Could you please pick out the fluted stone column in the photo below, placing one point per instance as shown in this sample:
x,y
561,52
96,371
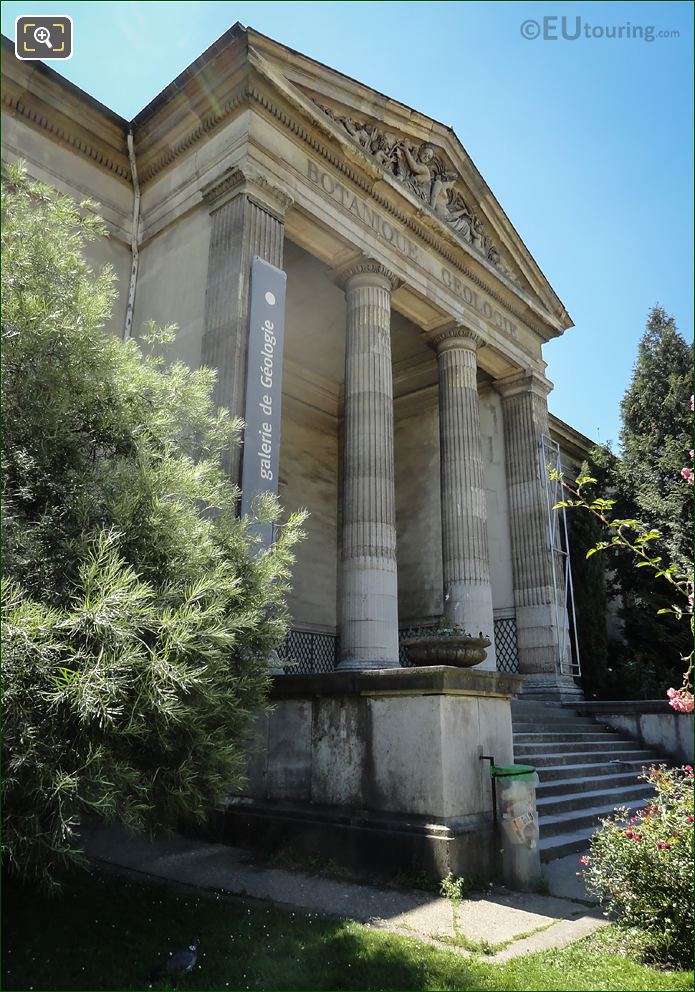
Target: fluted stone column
x,y
247,214
540,611
465,558
369,608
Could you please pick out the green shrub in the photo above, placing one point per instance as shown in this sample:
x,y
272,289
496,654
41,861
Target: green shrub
x,y
138,616
641,868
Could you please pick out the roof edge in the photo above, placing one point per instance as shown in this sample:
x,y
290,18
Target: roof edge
x,y
59,80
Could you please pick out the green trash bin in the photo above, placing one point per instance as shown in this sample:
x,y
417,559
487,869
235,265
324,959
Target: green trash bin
x,y
515,786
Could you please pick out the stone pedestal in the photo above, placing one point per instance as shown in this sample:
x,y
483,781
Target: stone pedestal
x,y
369,607
380,768
540,611
247,215
465,559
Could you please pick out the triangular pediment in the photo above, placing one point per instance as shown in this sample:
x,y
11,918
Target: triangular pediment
x,y
426,172
422,160
414,164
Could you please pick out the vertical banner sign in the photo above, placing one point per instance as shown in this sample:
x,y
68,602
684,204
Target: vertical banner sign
x,y
261,453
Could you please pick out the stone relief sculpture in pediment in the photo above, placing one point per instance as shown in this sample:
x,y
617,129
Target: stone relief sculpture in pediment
x,y
422,171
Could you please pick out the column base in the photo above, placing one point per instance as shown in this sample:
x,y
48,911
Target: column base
x,y
358,665
551,688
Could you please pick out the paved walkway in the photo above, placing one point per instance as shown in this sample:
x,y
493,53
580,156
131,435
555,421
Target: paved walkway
x,y
500,923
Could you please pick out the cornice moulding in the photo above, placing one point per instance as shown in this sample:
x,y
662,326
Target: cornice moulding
x,y
61,127
236,181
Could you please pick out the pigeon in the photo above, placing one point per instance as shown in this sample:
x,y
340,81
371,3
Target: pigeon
x,y
179,963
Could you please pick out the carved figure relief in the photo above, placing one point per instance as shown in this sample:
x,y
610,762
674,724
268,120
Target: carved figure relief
x,y
425,174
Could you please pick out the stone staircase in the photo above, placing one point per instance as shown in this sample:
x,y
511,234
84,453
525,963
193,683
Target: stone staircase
x,y
584,770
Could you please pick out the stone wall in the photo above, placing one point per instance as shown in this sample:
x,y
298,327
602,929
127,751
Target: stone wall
x,y
49,162
652,722
309,478
391,756
418,512
171,283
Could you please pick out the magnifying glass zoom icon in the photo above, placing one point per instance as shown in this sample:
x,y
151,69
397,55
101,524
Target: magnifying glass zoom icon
x,y
43,37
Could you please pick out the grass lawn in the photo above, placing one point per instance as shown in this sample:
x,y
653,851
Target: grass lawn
x,y
105,932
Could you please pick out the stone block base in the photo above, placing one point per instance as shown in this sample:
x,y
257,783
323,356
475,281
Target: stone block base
x,y
379,767
377,843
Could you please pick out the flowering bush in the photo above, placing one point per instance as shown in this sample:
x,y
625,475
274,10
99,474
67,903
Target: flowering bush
x,y
681,699
641,866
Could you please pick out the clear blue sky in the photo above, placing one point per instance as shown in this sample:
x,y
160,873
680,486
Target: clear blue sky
x,y
587,144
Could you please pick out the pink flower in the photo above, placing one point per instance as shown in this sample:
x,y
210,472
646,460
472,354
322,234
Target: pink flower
x,y
692,409
681,700
688,474
583,860
628,833
638,836
690,819
667,846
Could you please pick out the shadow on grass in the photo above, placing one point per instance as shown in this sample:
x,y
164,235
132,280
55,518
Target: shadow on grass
x,y
106,932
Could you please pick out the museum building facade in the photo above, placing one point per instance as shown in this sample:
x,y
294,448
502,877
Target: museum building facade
x,y
414,401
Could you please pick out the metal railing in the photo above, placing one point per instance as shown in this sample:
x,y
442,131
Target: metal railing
x,y
506,648
308,652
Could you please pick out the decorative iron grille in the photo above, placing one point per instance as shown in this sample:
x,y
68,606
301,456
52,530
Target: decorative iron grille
x,y
315,653
506,649
311,653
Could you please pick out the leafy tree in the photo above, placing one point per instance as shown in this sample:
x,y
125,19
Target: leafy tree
x,y
657,433
646,483
138,612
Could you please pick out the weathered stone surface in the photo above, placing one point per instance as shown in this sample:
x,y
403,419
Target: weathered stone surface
x,y
405,740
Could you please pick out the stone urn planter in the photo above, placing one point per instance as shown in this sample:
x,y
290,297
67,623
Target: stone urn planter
x,y
447,646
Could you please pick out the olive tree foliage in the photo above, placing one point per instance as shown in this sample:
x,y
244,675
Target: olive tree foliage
x,y
138,613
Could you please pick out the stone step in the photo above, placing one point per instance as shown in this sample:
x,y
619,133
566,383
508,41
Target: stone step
x,y
585,769
527,752
564,723
570,802
586,783
562,824
560,845
601,758
570,736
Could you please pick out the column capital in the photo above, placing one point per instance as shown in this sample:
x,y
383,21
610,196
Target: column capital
x,y
455,335
370,272
236,181
527,381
